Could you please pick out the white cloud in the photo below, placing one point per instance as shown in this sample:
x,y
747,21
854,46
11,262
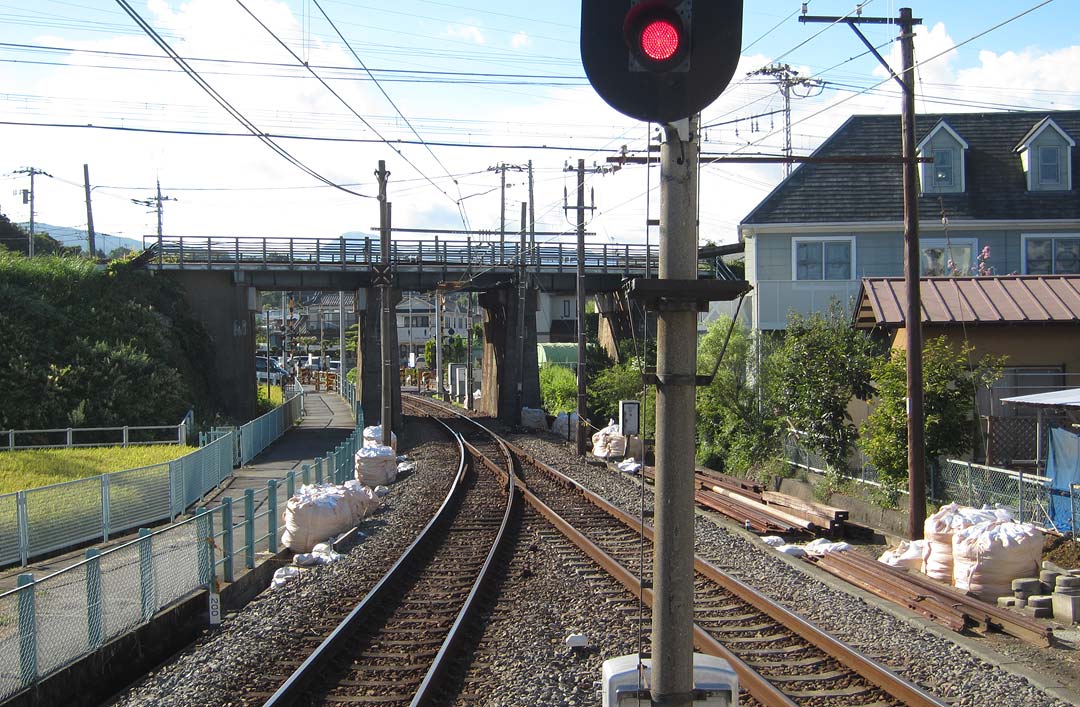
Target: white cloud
x,y
468,32
520,40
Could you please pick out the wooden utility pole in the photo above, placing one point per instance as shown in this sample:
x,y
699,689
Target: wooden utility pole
x,y
28,197
582,397
90,245
916,440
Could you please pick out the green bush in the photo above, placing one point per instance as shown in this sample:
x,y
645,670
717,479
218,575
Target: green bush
x,y
558,389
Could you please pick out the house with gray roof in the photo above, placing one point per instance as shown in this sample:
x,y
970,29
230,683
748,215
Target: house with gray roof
x,y
996,196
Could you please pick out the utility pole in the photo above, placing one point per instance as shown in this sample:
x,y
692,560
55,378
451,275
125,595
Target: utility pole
x,y
469,357
90,245
28,197
157,203
384,291
786,79
522,300
341,340
532,220
916,440
676,365
439,345
582,398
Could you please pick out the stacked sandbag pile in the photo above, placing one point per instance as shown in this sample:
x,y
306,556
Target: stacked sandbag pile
x,y
318,512
376,465
940,528
988,556
534,419
373,437
608,442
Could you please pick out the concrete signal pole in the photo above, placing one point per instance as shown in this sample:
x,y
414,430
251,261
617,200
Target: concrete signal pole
x,y
676,367
28,196
90,244
385,311
582,398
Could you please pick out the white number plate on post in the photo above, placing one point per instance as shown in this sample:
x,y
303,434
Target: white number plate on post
x,y
215,608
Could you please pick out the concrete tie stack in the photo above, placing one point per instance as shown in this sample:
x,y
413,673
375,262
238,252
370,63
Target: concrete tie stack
x,y
1066,599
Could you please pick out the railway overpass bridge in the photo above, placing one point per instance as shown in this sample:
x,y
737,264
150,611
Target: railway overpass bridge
x,y
221,276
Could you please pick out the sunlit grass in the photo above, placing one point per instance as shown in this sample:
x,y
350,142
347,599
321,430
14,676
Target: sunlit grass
x,y
268,403
31,468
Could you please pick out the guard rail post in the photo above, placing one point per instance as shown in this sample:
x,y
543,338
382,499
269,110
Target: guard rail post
x,y
28,668
227,538
318,470
272,518
967,471
290,484
105,520
147,600
95,617
305,472
1020,496
249,528
125,443
22,520
68,439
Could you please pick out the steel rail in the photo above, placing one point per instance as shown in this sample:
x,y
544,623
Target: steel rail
x,y
295,687
763,691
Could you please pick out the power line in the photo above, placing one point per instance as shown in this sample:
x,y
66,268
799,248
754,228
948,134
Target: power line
x,y
220,100
458,201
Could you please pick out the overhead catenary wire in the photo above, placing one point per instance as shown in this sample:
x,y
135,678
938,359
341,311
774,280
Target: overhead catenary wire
x,y
220,100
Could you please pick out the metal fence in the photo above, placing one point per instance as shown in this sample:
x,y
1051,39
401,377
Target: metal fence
x,y
1026,496
67,437
38,521
261,432
47,624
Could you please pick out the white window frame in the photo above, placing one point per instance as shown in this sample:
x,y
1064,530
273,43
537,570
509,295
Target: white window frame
x,y
944,243
822,239
567,309
1025,237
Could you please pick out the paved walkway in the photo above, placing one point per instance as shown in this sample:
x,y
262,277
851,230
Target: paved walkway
x,y
326,424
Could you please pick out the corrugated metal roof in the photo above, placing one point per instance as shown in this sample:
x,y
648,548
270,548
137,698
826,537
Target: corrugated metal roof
x,y
1058,398
999,299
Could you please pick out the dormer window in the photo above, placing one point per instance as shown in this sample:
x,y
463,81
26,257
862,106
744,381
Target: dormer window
x,y
1046,156
945,174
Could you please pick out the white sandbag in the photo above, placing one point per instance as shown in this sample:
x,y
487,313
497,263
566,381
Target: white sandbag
x,y
940,528
314,514
821,546
361,499
323,548
375,465
608,442
307,559
988,556
373,437
907,555
629,466
284,575
773,540
534,419
565,425
793,550
381,491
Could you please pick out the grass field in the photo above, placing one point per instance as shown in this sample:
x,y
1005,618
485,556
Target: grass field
x,y
30,468
266,404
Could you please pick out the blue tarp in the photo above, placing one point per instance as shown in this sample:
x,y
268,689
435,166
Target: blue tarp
x,y
1063,467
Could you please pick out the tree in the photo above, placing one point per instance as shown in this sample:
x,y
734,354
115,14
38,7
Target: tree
x,y
12,236
821,365
949,385
558,388
736,414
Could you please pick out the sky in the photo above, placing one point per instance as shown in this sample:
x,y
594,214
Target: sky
x,y
444,92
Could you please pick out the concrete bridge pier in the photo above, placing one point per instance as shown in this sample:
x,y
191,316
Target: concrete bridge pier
x,y
507,363
615,322
369,358
226,307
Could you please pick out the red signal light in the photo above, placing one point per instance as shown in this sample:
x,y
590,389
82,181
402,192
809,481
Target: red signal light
x,y
656,35
660,40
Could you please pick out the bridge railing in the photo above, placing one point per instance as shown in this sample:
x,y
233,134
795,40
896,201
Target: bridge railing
x,y
342,253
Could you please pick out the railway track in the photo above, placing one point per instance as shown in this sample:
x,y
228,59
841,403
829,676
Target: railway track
x,y
781,659
396,645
